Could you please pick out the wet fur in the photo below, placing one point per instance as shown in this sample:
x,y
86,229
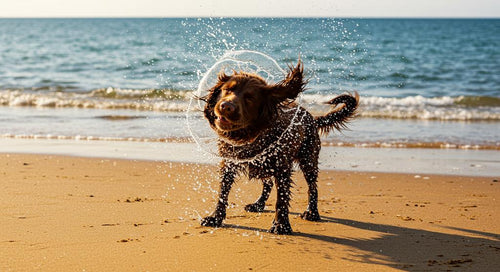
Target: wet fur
x,y
256,139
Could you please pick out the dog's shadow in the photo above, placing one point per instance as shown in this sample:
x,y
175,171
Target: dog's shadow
x,y
411,249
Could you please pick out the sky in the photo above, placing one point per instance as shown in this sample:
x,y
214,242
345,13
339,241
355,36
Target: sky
x,y
250,8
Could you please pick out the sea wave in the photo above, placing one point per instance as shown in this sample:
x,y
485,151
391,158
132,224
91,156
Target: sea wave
x,y
478,108
445,108
325,142
461,108
106,98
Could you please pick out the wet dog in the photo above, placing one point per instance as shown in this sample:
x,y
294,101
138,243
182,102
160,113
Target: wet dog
x,y
262,133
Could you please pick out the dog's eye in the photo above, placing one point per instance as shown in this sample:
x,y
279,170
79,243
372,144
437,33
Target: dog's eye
x,y
248,98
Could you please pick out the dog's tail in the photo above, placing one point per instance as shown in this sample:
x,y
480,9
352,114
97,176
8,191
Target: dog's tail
x,y
340,115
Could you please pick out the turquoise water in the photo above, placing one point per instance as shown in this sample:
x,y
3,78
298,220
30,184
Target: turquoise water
x,y
420,80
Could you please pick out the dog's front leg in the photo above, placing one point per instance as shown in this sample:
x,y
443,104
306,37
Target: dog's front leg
x,y
228,174
281,223
260,204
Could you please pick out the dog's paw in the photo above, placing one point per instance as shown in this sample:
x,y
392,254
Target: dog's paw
x,y
281,228
311,216
255,207
211,221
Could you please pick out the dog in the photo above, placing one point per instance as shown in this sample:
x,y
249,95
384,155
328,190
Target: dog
x,y
262,133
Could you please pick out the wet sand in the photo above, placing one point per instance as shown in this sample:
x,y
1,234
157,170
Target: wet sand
x,y
394,160
89,214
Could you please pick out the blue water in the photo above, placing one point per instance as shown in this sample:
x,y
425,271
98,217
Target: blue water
x,y
383,57
442,70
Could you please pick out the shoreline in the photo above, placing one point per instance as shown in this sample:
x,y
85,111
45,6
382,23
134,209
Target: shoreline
x,y
324,142
418,161
94,214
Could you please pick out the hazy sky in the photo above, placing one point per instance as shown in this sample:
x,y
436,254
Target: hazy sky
x,y
237,8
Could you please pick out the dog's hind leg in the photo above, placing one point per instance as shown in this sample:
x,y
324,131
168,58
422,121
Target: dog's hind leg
x,y
309,167
260,204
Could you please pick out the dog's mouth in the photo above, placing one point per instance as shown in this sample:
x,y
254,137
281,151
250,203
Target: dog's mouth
x,y
223,121
225,124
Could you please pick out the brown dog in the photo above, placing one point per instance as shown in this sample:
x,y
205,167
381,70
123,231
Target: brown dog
x,y
262,133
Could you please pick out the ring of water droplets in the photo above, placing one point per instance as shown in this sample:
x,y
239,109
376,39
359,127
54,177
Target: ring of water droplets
x,y
242,60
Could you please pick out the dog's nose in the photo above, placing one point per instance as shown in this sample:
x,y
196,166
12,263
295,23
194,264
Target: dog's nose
x,y
227,107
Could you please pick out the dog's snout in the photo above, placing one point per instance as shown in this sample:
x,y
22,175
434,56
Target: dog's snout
x,y
227,107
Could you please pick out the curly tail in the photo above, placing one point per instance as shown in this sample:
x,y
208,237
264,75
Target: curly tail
x,y
340,115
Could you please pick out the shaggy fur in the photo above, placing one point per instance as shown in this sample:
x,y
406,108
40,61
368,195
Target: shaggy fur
x,y
262,133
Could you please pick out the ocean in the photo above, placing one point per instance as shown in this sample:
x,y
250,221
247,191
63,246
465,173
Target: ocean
x,y
429,83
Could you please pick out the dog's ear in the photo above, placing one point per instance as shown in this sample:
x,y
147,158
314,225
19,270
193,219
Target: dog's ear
x,y
221,79
213,95
214,92
289,88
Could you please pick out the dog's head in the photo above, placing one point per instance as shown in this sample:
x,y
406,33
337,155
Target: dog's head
x,y
241,105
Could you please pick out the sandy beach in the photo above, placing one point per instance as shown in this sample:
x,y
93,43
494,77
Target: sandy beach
x,y
61,213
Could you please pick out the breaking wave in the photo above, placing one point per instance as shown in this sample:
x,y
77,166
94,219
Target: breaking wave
x,y
462,108
444,108
106,98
